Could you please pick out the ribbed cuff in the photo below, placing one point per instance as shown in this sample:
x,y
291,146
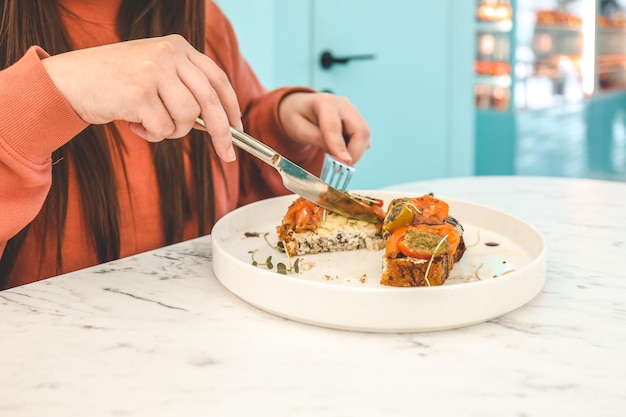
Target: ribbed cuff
x,y
35,118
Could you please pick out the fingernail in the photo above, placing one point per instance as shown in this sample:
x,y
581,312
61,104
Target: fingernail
x,y
346,156
231,154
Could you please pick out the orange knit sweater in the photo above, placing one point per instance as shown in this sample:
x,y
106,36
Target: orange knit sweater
x,y
36,119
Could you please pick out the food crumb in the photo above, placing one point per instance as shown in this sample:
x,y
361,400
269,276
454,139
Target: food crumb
x,y
305,266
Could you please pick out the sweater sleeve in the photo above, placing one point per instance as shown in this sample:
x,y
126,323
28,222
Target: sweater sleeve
x,y
34,121
260,114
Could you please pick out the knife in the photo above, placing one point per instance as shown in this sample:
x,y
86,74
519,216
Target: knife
x,y
299,181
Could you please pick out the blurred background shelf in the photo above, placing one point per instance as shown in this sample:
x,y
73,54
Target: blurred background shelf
x,y
494,80
497,90
566,115
501,26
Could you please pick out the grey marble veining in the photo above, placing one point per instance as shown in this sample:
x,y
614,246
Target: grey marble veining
x,y
157,334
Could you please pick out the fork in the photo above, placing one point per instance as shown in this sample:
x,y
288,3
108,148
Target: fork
x,y
336,173
302,182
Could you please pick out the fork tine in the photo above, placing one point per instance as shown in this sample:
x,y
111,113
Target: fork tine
x,y
336,174
346,179
326,168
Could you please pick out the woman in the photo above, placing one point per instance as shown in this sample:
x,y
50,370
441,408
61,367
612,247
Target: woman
x,y
85,175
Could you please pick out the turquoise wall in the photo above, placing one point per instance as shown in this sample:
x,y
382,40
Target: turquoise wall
x,y
433,105
254,22
584,140
274,36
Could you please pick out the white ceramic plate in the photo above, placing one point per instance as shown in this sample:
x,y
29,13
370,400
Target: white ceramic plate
x,y
342,290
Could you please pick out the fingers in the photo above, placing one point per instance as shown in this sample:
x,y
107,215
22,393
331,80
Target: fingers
x,y
194,86
330,123
356,131
221,86
215,100
180,106
344,131
327,121
193,95
219,105
163,85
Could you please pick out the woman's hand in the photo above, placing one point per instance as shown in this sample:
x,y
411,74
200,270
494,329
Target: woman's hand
x,y
328,121
159,85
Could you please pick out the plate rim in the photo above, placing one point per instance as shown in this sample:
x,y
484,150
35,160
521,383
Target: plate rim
x,y
509,276
536,265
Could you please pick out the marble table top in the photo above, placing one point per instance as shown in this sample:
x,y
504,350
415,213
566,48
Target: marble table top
x,y
157,335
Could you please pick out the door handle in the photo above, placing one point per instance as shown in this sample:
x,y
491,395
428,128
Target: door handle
x,y
327,59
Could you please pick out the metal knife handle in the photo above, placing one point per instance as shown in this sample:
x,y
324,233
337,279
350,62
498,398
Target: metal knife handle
x,y
253,146
249,144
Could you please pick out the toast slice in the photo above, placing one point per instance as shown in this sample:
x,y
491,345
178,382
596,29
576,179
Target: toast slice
x,y
422,242
412,272
308,228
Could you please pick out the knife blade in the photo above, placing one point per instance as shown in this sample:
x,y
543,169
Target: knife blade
x,y
299,181
312,188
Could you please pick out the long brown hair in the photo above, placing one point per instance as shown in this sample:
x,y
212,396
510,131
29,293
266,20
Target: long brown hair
x,y
24,23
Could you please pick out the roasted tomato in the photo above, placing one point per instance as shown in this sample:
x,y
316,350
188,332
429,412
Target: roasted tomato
x,y
421,241
430,210
304,215
379,211
412,211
